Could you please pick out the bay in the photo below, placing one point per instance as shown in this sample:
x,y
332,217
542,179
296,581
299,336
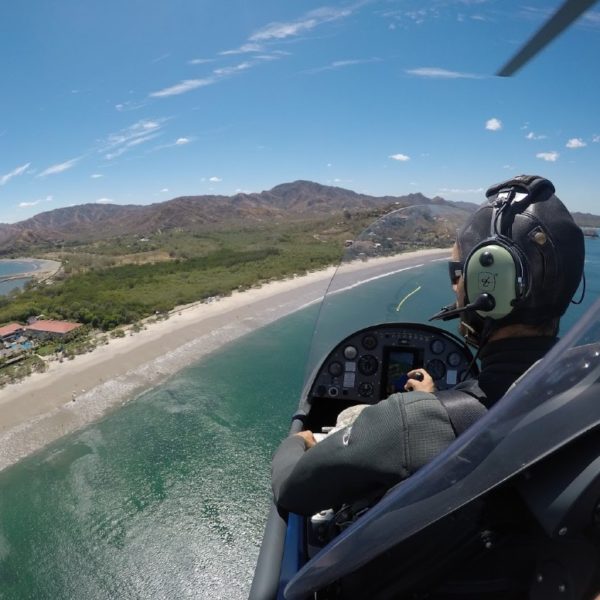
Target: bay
x,y
14,267
167,497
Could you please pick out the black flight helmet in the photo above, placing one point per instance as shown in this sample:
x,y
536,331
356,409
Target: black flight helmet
x,y
522,259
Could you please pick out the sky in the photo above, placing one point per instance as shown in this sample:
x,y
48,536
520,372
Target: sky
x,y
142,101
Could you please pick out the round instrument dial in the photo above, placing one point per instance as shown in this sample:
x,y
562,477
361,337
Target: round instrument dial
x,y
369,342
368,364
436,368
454,359
437,346
336,369
350,352
365,389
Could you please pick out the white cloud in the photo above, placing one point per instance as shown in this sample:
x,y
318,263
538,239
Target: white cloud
x,y
165,190
437,73
35,202
596,139
129,105
215,179
493,124
200,61
182,141
96,175
576,143
187,85
399,157
131,144
60,168
533,136
548,156
104,201
244,49
226,71
141,140
139,133
312,19
591,18
340,64
4,179
192,84
160,58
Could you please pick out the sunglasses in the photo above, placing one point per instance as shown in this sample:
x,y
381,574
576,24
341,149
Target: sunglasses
x,y
455,270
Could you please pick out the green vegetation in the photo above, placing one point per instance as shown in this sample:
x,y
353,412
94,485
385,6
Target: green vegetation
x,y
123,280
103,290
17,371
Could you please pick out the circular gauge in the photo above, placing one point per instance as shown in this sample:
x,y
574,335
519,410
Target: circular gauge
x,y
437,346
336,369
369,342
365,389
454,359
350,352
368,364
333,391
436,368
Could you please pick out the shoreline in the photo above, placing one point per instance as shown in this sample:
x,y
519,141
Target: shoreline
x,y
74,393
42,268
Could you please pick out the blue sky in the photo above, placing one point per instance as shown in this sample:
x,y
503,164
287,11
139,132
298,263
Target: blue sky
x,y
141,101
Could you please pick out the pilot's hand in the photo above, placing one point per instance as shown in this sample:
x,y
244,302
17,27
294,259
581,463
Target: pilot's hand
x,y
308,437
419,380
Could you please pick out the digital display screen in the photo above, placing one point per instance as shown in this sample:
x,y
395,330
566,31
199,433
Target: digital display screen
x,y
398,362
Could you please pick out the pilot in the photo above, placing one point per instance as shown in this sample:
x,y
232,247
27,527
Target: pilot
x,y
516,266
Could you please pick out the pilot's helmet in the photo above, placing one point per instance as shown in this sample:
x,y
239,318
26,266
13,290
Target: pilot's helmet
x,y
524,242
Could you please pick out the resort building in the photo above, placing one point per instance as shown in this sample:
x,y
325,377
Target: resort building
x,y
45,329
11,332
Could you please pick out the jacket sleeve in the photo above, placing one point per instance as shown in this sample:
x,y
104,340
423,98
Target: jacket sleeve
x,y
386,443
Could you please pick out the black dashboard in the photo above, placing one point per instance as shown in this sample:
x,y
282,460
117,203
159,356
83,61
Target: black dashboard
x,y
372,363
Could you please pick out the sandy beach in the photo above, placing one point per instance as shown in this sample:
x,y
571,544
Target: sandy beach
x,y
73,393
39,268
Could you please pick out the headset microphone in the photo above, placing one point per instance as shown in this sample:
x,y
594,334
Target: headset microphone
x,y
484,302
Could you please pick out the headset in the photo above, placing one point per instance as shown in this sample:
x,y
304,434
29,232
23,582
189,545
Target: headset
x,y
498,273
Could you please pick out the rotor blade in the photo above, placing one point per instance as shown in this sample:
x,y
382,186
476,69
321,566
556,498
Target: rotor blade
x,y
562,18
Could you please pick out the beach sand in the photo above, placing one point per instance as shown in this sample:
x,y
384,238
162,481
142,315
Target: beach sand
x,y
40,268
71,394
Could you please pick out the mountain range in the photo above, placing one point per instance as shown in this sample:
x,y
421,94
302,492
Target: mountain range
x,y
299,200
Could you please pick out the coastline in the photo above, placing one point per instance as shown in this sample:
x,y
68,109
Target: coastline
x,y
74,393
42,268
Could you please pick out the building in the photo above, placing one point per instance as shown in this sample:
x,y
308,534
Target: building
x,y
11,332
49,329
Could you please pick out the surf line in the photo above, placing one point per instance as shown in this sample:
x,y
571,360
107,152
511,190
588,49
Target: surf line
x,y
407,297
359,283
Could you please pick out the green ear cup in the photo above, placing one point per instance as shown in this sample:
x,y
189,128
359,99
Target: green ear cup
x,y
491,270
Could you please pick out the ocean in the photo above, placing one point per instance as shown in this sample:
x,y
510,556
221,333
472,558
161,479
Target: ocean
x,y
13,267
166,497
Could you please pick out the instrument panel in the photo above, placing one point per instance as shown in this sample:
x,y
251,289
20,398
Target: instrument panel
x,y
372,363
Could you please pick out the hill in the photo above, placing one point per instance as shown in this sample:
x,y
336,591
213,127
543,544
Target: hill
x,y
288,202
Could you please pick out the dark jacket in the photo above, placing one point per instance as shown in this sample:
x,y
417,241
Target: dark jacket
x,y
390,440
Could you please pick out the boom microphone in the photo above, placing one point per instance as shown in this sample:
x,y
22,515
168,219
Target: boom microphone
x,y
483,302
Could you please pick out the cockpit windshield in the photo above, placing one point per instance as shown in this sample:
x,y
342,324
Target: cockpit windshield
x,y
554,402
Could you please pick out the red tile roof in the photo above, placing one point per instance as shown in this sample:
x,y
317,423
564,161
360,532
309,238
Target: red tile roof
x,y
10,329
53,326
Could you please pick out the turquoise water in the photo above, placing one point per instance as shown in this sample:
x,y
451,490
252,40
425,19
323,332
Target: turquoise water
x,y
11,268
166,497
